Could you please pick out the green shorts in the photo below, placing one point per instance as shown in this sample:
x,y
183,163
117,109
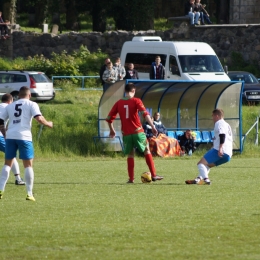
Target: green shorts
x,y
132,141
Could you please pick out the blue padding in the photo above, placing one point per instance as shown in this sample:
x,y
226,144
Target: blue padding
x,y
171,134
198,136
206,137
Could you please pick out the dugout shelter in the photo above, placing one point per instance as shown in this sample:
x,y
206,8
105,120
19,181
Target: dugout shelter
x,y
182,105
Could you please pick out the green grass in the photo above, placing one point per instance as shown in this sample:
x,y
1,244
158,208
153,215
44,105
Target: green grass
x,y
84,210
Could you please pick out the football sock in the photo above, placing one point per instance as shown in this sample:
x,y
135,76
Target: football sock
x,y
29,177
208,169
203,171
130,168
150,163
15,169
4,176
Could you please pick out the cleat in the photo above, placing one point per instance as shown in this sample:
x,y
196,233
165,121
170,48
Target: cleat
x,y
31,198
1,194
129,181
206,181
191,181
157,178
21,182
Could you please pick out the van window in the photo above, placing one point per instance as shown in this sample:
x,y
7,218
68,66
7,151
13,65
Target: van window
x,y
200,63
143,61
173,66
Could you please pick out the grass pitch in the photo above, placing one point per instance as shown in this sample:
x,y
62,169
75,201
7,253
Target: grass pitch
x,y
85,210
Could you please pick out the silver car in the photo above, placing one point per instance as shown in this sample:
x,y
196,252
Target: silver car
x,y
40,85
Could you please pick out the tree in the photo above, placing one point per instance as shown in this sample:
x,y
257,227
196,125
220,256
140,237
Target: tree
x,y
133,14
9,10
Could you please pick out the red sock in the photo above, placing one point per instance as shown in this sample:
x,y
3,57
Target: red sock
x,y
130,168
150,163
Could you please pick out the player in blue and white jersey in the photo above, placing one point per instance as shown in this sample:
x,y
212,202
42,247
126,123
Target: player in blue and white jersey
x,y
19,137
222,148
6,100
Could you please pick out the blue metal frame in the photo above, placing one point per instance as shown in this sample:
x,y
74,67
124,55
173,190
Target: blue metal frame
x,y
72,77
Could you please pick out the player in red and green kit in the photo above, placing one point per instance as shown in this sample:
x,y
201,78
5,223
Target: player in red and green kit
x,y
132,130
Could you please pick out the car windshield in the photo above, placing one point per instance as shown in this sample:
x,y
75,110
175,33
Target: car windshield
x,y
200,63
40,78
247,78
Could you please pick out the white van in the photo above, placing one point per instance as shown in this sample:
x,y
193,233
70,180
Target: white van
x,y
191,61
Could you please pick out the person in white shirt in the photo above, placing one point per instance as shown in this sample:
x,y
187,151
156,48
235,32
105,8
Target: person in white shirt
x,y
121,72
6,100
19,137
222,148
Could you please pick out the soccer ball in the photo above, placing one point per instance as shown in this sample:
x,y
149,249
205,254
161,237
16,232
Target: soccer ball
x,y
146,177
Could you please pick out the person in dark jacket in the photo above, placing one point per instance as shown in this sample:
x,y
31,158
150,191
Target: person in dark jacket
x,y
148,129
102,69
131,73
157,70
191,12
158,124
187,143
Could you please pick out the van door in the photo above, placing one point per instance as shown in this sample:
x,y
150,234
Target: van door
x,y
173,69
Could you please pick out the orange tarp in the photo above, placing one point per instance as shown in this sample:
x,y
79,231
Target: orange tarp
x,y
164,146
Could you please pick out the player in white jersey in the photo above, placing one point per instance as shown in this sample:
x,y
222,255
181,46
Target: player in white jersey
x,y
8,99
221,151
19,137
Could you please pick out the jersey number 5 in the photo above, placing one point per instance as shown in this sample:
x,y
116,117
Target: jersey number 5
x,y
18,109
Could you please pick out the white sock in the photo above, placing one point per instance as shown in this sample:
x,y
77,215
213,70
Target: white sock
x,y
16,170
4,176
208,169
203,171
29,177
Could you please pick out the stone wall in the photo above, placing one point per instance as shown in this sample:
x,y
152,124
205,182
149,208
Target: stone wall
x,y
224,39
244,12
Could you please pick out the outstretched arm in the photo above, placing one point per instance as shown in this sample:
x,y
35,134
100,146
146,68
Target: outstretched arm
x,y
43,121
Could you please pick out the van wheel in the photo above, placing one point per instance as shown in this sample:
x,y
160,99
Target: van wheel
x,y
15,95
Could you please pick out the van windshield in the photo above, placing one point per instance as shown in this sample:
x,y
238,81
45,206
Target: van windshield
x,y
200,63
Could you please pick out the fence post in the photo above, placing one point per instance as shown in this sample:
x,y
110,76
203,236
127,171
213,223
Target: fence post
x,y
257,123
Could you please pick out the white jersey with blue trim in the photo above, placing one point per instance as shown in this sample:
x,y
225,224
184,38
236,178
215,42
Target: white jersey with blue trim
x,y
20,114
222,127
2,109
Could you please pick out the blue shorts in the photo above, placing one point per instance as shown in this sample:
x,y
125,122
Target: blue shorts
x,y
212,157
2,144
26,151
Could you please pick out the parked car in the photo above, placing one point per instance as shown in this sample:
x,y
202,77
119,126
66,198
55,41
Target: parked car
x,y
251,91
40,85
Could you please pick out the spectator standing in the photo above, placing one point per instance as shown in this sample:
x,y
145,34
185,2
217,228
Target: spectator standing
x,y
6,100
187,142
157,70
19,137
222,148
131,73
158,124
121,73
190,11
133,133
102,69
109,76
3,27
